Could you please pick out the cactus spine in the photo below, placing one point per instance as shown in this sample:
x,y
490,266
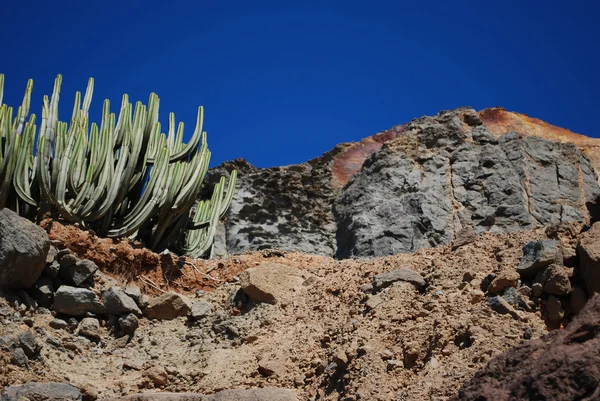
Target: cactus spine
x,y
122,178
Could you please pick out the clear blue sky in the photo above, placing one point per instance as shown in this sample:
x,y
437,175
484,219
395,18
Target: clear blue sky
x,y
284,81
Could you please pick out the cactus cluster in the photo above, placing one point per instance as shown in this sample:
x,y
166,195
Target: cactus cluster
x,y
122,178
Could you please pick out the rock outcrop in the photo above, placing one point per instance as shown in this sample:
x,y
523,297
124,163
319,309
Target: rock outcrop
x,y
563,365
416,185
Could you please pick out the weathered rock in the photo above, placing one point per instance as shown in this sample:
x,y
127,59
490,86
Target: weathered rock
x,y
118,303
129,324
135,293
66,259
563,365
90,327
271,283
255,394
555,279
512,296
504,279
588,252
74,301
23,250
201,309
448,172
499,304
58,324
41,391
539,254
43,291
157,375
79,272
168,306
19,358
383,280
29,344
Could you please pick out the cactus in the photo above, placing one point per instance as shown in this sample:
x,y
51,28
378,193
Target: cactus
x,y
122,178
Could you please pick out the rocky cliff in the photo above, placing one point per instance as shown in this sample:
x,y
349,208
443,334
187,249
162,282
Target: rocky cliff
x,y
416,185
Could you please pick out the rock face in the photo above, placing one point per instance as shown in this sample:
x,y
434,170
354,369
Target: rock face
x,y
563,365
450,172
23,250
416,185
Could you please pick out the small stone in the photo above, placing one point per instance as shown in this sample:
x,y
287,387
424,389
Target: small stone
x,y
51,269
525,290
366,288
476,296
43,291
504,279
537,289
29,344
168,306
539,254
129,324
200,309
485,283
468,276
28,321
578,299
90,327
340,358
51,254
527,333
79,272
19,358
555,279
512,296
134,292
393,364
66,259
373,302
157,375
118,303
499,304
50,339
384,280
58,324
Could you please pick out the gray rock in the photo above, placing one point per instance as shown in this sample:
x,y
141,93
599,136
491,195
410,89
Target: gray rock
x,y
512,296
41,391
43,291
254,394
135,293
200,309
77,273
52,269
499,304
66,259
29,344
23,250
129,324
383,280
19,358
539,254
9,342
74,301
537,289
58,324
118,303
90,327
555,279
168,306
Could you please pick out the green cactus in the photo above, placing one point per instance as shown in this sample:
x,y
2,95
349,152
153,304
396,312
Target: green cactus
x,y
122,178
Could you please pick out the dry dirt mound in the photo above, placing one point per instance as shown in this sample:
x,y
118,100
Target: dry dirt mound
x,y
324,328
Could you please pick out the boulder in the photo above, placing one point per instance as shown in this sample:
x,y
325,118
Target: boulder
x,y
588,263
539,254
563,365
168,306
271,283
118,303
75,301
383,280
23,250
41,391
